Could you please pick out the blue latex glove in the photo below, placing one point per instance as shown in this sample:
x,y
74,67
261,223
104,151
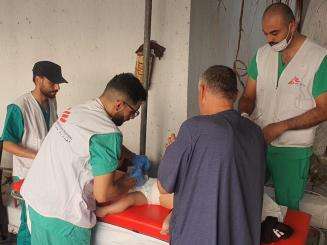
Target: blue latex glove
x,y
137,173
142,162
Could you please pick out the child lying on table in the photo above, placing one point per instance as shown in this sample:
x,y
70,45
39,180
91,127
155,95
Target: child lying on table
x,y
145,192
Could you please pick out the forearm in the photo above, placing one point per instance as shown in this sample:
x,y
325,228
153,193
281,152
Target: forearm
x,y
246,105
126,153
18,150
306,120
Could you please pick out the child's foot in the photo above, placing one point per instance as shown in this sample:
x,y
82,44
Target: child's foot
x,y
101,212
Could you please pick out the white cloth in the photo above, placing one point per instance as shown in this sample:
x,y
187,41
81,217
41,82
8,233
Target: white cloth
x,y
271,208
60,182
293,94
150,191
35,130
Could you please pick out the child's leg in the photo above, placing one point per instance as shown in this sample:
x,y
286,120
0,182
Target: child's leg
x,y
131,199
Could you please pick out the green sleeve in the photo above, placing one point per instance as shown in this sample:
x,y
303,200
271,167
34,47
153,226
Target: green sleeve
x,y
13,129
252,68
320,81
105,151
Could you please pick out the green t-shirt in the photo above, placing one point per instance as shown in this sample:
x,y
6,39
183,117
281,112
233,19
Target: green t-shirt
x,y
13,129
319,87
46,115
105,151
319,83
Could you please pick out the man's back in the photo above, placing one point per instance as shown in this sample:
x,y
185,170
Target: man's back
x,y
219,180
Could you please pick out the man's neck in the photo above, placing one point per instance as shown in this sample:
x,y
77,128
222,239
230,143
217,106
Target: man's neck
x,y
293,48
106,105
215,107
40,98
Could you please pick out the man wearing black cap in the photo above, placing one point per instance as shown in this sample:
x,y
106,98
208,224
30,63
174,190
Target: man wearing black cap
x,y
27,122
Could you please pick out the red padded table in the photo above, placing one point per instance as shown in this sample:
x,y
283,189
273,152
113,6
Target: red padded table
x,y
145,219
300,222
17,185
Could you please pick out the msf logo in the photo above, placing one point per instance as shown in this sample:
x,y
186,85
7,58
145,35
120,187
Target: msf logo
x,y
64,116
295,81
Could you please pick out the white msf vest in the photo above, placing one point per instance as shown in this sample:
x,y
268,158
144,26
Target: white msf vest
x,y
60,182
291,95
35,130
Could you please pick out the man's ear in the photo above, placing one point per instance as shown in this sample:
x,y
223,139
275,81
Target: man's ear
x,y
119,104
38,80
294,26
202,91
236,96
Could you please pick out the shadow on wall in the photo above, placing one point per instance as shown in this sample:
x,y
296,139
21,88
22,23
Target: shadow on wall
x,y
314,27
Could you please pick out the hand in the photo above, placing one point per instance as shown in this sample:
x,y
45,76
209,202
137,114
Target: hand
x,y
165,225
137,174
273,131
244,114
124,184
171,139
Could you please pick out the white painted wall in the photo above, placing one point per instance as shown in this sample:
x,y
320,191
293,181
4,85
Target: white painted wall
x,y
93,40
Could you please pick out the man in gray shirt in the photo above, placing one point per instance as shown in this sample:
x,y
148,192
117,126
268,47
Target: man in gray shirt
x,y
216,168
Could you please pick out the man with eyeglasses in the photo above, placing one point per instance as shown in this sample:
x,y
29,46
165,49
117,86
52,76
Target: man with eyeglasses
x,y
75,168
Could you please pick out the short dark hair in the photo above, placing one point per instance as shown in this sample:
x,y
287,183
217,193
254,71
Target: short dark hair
x,y
221,79
283,9
128,85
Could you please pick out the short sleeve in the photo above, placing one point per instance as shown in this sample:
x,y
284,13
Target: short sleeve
x,y
13,129
105,151
320,80
252,68
175,156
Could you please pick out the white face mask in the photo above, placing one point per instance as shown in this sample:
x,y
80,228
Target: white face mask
x,y
278,47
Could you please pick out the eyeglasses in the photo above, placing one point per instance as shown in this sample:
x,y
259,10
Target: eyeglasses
x,y
135,112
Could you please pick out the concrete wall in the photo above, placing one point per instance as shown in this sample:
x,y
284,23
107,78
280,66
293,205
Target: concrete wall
x,y
93,40
314,26
214,36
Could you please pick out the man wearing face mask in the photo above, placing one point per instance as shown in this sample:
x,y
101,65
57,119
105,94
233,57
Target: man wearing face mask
x,y
27,122
286,94
75,168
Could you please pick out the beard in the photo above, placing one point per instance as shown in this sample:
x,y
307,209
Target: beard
x,y
118,120
49,93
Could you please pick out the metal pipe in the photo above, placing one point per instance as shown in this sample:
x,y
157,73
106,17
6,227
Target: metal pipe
x,y
146,73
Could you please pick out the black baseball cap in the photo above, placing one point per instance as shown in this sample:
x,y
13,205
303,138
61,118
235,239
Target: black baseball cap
x,y
49,70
